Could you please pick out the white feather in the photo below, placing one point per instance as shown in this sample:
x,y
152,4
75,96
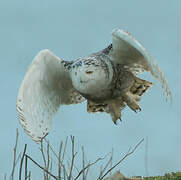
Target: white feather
x,y
131,54
45,87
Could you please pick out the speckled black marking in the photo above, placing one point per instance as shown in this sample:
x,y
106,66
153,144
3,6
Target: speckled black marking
x,y
97,107
79,63
104,65
101,110
67,64
107,50
90,62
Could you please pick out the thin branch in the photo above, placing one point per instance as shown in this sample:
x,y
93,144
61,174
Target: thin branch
x,y
65,146
108,163
111,161
51,167
73,157
29,175
64,173
83,163
59,160
87,170
69,159
43,156
127,154
88,166
5,175
21,163
103,169
68,165
48,158
52,150
41,167
14,159
26,169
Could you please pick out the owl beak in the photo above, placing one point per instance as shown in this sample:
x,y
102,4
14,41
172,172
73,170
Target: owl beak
x,y
89,72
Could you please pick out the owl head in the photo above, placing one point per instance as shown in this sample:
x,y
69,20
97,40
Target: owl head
x,y
90,77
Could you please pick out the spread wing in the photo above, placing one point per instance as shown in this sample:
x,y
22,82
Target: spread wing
x,y
133,56
45,87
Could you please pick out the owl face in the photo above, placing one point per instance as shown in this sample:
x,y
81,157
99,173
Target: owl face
x,y
89,77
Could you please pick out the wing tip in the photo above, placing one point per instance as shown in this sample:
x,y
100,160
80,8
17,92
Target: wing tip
x,y
118,32
154,68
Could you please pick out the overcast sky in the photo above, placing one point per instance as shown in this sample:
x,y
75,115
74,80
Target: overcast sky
x,y
72,29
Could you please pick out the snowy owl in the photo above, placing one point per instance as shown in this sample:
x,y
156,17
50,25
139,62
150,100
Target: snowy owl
x,y
107,80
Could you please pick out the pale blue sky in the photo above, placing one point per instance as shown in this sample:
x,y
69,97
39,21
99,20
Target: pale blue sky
x,y
72,29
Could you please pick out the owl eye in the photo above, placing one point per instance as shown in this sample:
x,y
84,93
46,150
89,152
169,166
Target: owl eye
x,y
89,72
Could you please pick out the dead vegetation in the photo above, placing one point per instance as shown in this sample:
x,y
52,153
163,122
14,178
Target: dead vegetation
x,y
65,169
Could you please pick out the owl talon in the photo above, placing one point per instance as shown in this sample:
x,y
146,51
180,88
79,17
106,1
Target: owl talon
x,y
115,122
131,102
120,119
137,110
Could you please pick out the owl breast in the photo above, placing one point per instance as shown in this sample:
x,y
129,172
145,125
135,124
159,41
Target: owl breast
x,y
92,77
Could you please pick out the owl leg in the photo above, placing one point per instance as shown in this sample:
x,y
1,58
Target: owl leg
x,y
115,111
130,100
114,115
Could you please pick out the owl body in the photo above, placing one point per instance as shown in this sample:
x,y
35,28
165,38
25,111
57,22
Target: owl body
x,y
98,78
93,78
106,79
107,86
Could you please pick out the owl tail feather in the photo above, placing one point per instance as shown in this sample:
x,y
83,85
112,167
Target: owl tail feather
x,y
139,87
